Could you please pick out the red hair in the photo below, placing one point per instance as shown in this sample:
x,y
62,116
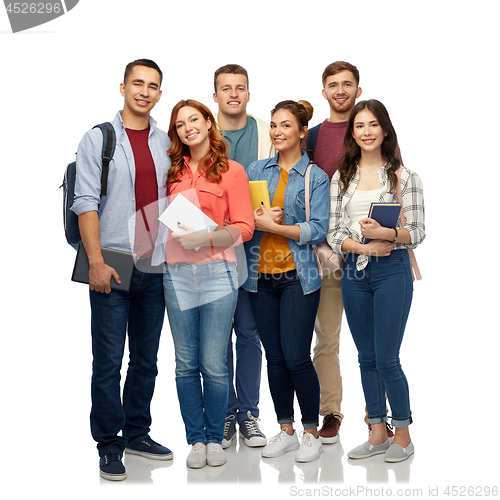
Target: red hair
x,y
215,160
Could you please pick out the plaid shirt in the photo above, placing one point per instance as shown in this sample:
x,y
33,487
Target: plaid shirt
x,y
341,227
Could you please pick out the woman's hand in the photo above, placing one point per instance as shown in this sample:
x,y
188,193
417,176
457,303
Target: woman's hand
x,y
378,248
190,238
276,213
371,229
264,221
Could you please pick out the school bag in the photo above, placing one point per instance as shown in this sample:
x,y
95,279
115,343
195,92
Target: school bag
x,y
71,229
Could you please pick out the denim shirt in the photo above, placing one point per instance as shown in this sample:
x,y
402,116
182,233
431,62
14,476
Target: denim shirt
x,y
294,213
117,210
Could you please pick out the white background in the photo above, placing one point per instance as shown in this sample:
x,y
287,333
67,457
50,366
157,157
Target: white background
x,y
434,64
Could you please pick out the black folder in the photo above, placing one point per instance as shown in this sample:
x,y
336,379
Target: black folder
x,y
122,262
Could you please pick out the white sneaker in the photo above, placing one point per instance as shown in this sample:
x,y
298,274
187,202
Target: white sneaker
x,y
197,457
215,455
280,444
310,448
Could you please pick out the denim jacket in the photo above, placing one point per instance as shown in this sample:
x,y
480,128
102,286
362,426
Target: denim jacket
x,y
294,213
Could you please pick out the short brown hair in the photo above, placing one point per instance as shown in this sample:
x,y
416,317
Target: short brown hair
x,y
337,67
142,62
232,69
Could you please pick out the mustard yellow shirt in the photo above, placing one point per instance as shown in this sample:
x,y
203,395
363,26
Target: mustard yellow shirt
x,y
275,256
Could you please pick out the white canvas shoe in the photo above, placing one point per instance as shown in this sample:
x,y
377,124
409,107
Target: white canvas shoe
x,y
310,448
197,457
215,455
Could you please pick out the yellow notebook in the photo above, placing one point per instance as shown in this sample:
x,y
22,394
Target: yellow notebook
x,y
259,192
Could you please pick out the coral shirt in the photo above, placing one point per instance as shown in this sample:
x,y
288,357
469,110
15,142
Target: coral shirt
x,y
228,199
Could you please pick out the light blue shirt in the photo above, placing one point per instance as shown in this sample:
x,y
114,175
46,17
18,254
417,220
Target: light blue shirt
x,y
294,213
117,210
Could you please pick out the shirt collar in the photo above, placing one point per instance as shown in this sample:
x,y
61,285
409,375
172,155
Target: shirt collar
x,y
118,122
300,166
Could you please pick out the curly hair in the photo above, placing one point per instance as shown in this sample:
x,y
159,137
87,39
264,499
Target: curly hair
x,y
349,162
215,161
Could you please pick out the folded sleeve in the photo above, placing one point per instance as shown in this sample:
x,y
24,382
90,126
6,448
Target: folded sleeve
x,y
240,204
338,232
314,231
412,194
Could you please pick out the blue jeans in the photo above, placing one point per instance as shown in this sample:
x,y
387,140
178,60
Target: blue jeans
x,y
377,302
248,362
285,321
141,312
200,333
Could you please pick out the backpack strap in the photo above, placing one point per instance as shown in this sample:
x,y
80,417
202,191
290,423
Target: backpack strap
x,y
108,149
307,181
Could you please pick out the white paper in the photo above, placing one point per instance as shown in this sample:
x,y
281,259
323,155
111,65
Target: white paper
x,y
183,211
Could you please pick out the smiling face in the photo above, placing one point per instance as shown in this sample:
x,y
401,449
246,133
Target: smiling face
x,y
232,94
341,91
192,128
367,132
141,91
285,132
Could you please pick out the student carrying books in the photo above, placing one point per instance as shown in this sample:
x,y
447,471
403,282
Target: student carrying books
x,y
284,282
377,284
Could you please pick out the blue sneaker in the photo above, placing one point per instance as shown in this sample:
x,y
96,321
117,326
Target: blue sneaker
x,y
112,468
148,448
250,432
229,431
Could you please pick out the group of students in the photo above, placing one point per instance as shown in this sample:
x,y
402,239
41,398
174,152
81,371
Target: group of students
x,y
352,159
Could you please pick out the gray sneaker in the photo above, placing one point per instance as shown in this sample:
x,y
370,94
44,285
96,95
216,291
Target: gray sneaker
x,y
229,431
397,453
250,432
367,450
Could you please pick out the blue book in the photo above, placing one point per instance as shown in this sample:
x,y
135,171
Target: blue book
x,y
386,214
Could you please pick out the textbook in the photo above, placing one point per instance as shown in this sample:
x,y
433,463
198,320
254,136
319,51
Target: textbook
x,y
386,214
183,211
259,191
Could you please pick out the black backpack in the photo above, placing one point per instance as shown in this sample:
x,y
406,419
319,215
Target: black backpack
x,y
71,229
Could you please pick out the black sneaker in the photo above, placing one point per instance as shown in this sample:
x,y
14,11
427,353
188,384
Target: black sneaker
x,y
250,432
112,468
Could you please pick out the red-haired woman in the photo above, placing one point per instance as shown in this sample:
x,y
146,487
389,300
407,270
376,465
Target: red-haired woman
x,y
201,278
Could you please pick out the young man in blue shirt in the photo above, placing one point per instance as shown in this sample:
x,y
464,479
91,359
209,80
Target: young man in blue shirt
x,y
125,219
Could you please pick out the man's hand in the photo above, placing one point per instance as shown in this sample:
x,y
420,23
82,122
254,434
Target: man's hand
x,y
100,277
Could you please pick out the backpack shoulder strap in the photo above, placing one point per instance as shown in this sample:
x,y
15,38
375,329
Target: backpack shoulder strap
x,y
307,181
108,149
